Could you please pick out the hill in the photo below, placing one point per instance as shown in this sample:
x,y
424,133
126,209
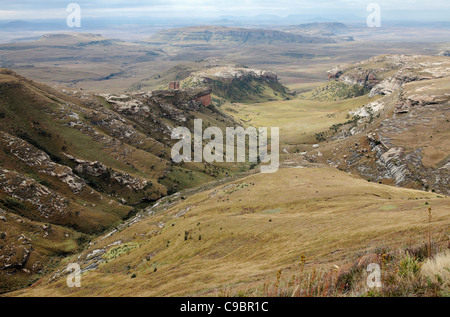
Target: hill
x,y
324,28
230,81
400,136
232,239
73,164
228,35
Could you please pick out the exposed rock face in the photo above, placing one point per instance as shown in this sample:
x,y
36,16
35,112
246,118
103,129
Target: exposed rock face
x,y
127,104
372,72
181,99
335,73
97,169
205,100
237,83
40,160
361,77
171,102
388,86
393,159
369,109
402,137
229,74
49,204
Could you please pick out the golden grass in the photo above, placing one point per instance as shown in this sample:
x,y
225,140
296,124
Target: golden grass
x,y
437,269
325,215
297,119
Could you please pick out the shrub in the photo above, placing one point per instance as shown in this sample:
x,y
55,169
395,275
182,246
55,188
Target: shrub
x,y
408,265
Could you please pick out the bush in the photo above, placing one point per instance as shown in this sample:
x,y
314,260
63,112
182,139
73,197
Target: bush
x,y
408,266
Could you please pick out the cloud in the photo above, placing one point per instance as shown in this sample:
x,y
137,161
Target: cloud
x,y
27,9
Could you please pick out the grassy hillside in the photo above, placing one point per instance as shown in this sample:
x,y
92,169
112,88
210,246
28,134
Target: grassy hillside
x,y
235,237
73,163
334,91
399,136
231,81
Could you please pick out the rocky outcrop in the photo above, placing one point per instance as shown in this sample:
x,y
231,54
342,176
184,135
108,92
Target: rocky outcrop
x,y
40,160
388,86
376,73
98,169
237,83
172,103
48,203
369,110
127,104
392,159
361,77
228,74
401,137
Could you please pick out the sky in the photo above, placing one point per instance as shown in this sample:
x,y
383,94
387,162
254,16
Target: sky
x,y
410,10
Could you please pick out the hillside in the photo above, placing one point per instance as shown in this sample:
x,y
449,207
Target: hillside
x,y
73,164
233,238
230,81
401,136
228,35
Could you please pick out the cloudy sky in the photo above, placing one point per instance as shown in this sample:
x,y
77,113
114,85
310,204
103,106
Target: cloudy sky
x,y
414,10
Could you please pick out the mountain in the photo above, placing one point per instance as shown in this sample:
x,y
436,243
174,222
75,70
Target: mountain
x,y
17,25
225,35
239,84
323,27
230,81
74,164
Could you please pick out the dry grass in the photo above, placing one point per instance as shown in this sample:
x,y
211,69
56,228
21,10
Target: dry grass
x,y
299,120
437,269
403,273
325,215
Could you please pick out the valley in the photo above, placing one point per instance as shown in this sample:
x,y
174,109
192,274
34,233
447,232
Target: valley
x,y
86,174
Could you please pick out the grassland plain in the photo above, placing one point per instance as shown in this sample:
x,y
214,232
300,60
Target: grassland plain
x,y
234,238
102,64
